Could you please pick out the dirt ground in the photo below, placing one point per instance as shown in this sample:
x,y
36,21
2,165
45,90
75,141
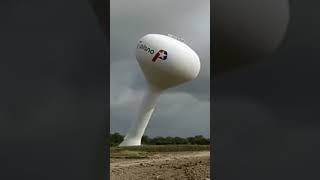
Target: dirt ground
x,y
194,165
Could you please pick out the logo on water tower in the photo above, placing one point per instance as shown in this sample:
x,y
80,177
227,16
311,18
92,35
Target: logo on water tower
x,y
161,54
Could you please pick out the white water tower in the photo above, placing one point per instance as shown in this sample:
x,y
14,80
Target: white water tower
x,y
165,62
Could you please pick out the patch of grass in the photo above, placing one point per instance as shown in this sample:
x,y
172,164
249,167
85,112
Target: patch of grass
x,y
145,151
128,154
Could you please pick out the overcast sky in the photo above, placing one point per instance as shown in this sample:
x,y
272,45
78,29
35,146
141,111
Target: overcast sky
x,y
181,111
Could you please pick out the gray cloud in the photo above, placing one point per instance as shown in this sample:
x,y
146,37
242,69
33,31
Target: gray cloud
x,y
181,111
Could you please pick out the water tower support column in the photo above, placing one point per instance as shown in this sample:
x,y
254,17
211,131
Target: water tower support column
x,y
133,138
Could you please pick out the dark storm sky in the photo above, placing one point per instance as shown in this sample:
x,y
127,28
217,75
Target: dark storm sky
x,y
181,111
267,115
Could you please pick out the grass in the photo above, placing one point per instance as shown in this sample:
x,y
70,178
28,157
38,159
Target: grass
x,y
145,151
130,154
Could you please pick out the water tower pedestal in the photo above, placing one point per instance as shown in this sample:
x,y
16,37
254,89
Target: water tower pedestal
x,y
134,136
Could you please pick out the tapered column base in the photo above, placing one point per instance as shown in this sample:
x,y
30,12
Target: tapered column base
x,y
130,142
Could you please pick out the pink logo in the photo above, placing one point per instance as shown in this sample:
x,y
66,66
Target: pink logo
x,y
162,54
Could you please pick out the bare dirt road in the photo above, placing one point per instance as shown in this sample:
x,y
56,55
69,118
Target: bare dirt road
x,y
193,165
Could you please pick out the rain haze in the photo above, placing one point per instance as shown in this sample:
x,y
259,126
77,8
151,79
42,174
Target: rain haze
x,y
181,111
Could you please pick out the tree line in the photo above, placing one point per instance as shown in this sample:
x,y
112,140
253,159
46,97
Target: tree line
x,y
117,138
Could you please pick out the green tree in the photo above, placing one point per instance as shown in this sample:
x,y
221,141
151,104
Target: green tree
x,y
169,140
191,140
200,140
158,141
116,139
145,139
179,140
